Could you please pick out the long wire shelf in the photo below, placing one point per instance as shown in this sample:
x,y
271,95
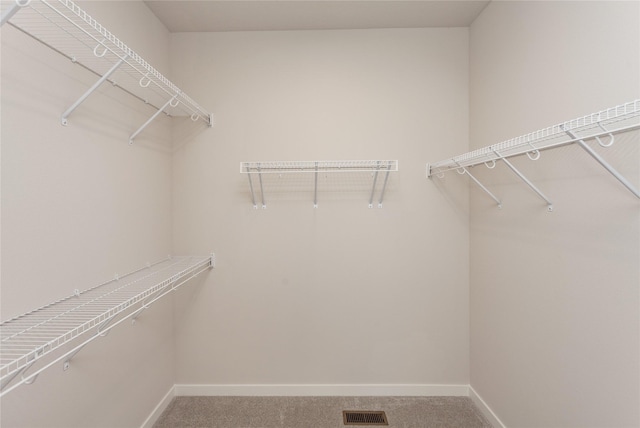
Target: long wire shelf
x,y
600,127
28,338
316,167
69,30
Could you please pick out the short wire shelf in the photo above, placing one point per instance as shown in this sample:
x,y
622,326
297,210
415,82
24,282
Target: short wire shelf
x,y
69,30
280,167
375,167
28,338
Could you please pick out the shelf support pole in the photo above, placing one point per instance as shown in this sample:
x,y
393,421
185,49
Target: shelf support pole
x,y
264,204
525,179
604,163
67,362
146,304
95,86
384,185
29,380
253,195
8,380
17,5
160,110
373,188
99,333
315,189
475,180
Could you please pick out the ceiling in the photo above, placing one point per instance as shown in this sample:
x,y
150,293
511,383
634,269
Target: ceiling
x,y
265,15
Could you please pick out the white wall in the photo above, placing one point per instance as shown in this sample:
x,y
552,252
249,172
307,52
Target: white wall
x,y
341,294
554,296
78,205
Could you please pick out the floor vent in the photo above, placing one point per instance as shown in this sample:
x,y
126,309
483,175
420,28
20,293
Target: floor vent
x,y
364,418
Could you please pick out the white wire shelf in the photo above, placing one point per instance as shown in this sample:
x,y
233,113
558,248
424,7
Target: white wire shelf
x,y
316,167
280,167
26,339
613,120
69,30
600,126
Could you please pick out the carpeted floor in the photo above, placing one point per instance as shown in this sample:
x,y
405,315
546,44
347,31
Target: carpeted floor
x,y
318,412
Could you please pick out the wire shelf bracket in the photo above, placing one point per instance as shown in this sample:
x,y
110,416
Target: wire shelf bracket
x,y
67,29
172,102
604,163
316,167
95,86
525,179
597,126
29,338
15,7
462,170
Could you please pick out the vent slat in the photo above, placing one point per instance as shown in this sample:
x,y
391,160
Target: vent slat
x,y
354,417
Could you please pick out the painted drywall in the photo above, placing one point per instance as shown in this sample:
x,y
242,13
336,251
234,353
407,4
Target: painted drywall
x,y
554,305
78,205
341,294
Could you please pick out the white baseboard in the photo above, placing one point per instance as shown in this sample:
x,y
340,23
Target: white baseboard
x,y
363,390
320,390
162,405
485,409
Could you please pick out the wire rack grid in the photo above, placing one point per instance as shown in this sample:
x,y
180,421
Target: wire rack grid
x,y
280,167
319,167
616,119
69,30
29,337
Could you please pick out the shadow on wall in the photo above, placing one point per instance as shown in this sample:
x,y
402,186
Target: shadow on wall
x,y
449,188
184,130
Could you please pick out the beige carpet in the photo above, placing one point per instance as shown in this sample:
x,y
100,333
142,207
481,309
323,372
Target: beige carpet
x,y
318,412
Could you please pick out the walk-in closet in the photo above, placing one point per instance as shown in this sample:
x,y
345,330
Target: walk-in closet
x,y
319,213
